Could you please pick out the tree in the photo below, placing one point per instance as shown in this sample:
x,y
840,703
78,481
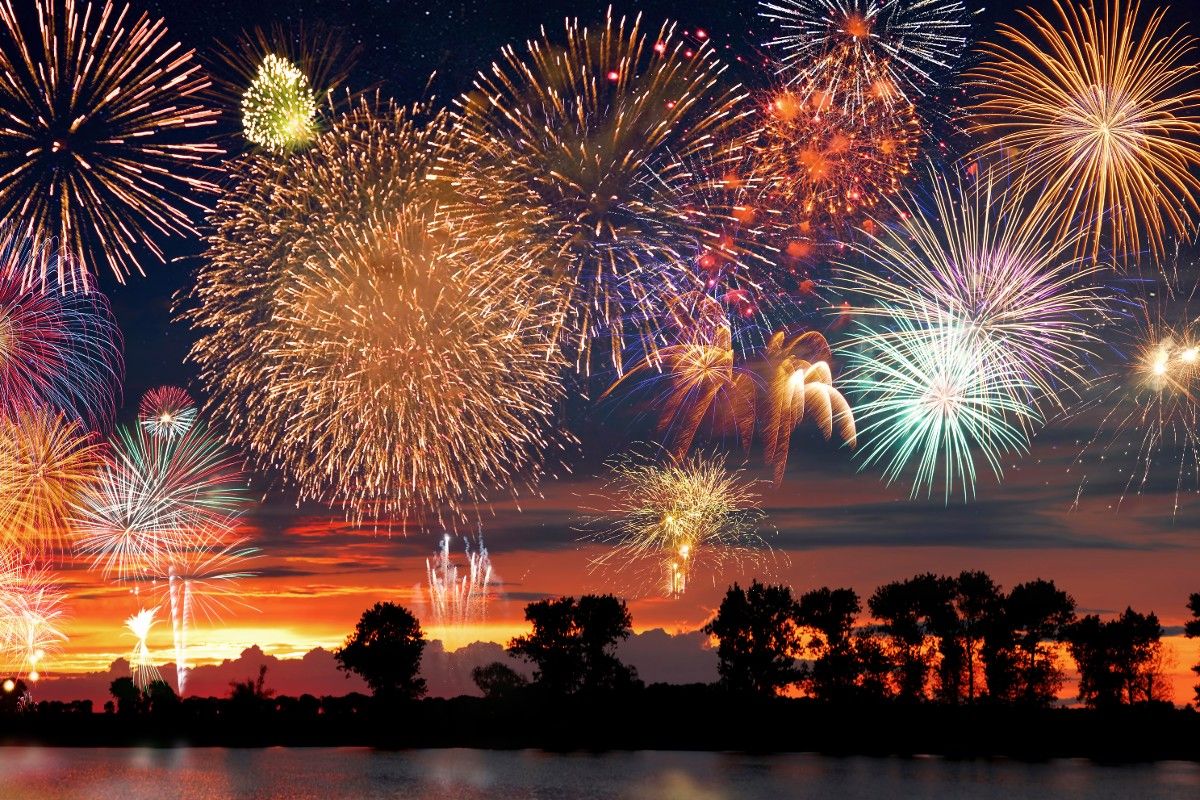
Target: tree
x,y
912,612
573,644
1119,661
756,631
160,697
127,695
385,651
1020,660
829,614
498,680
251,694
977,602
1191,629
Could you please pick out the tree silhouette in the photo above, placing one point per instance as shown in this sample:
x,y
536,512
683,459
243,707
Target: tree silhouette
x,y
1118,660
977,603
385,651
251,695
572,644
756,631
828,615
498,680
1019,649
128,696
911,612
1191,629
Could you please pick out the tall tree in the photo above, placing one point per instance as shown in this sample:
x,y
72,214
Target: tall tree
x,y
828,616
1192,630
1119,661
757,641
573,644
385,651
916,615
977,602
1019,650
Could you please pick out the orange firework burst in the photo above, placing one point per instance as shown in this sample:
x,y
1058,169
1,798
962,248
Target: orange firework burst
x,y
820,168
98,139
48,462
1102,111
578,154
359,342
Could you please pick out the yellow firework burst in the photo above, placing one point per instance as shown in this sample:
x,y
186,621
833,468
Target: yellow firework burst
x,y
1102,109
353,339
577,152
48,463
678,520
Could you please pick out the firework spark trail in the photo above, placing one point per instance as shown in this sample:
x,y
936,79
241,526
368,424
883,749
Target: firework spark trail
x,y
202,578
141,663
60,347
863,52
459,601
979,261
1102,111
939,395
97,146
579,154
167,412
678,520
353,338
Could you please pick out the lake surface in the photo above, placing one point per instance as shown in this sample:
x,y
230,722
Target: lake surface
x,y
32,773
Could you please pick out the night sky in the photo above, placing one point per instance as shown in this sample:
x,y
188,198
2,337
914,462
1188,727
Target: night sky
x,y
837,526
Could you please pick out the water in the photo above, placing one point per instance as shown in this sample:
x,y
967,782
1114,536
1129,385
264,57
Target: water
x,y
30,773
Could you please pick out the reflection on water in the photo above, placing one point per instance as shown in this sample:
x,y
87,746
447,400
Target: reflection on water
x,y
30,773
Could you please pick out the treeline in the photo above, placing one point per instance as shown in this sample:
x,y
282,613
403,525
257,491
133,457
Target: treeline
x,y
952,665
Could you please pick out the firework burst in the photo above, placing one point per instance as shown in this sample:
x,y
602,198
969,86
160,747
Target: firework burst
x,y
279,108
938,396
679,520
980,262
167,412
1150,414
577,155
154,498
355,339
48,463
865,52
31,611
1101,110
59,347
97,147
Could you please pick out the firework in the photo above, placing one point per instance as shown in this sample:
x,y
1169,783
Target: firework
x,y
155,498
819,168
48,463
979,261
279,108
864,52
937,395
381,359
459,601
577,155
97,147
682,518
1149,402
31,610
59,347
141,664
167,412
1101,110
799,387
200,578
